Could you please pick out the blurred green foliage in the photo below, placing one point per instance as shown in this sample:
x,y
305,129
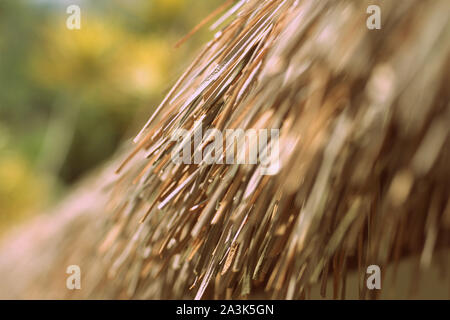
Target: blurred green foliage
x,y
68,97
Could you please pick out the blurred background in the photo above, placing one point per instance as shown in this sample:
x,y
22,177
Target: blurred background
x,y
68,98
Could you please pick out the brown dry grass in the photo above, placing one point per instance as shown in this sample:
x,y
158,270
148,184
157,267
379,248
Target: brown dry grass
x,y
364,119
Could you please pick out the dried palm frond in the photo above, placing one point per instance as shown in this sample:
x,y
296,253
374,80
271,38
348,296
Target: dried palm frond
x,y
364,120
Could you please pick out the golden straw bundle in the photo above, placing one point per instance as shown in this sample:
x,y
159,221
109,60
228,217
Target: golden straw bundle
x,y
364,177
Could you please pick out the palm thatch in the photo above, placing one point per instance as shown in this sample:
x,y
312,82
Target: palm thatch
x,y
364,151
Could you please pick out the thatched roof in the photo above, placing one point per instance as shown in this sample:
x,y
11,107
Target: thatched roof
x,y
364,151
